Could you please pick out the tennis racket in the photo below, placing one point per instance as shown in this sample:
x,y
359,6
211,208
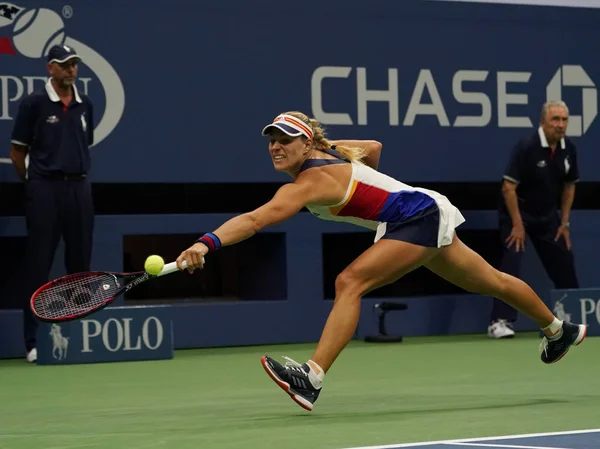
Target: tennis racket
x,y
77,295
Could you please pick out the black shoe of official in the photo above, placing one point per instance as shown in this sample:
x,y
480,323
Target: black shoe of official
x,y
293,379
553,351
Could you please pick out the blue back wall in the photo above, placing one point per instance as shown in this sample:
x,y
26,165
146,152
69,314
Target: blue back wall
x,y
183,88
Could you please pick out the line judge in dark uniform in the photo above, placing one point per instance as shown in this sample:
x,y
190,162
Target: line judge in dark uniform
x,y
538,192
50,144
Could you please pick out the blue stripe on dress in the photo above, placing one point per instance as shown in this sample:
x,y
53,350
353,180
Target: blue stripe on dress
x,y
403,205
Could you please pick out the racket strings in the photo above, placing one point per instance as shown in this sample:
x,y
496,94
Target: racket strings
x,y
75,295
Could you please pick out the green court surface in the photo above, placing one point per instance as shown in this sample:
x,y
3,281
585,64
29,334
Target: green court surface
x,y
423,389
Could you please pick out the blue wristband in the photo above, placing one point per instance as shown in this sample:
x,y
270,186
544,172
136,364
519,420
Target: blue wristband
x,y
211,241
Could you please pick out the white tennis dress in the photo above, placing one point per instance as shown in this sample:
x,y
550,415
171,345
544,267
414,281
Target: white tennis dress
x,y
373,200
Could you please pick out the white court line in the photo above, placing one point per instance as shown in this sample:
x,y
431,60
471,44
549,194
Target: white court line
x,y
5,160
475,440
510,446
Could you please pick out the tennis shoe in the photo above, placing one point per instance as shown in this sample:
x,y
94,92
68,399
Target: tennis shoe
x,y
501,329
293,379
32,355
554,350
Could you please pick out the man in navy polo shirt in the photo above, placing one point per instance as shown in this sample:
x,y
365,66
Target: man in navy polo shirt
x,y
538,191
50,144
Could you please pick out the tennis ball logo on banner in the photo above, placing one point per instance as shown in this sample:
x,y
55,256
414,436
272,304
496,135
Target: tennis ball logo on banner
x,y
34,32
575,76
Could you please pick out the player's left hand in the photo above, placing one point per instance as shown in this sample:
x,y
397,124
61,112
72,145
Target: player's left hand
x,y
564,233
193,257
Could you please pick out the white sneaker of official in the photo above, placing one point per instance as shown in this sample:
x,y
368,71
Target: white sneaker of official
x,y
32,355
500,329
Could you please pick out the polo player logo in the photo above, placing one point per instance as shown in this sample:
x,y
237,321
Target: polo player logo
x,y
60,343
559,310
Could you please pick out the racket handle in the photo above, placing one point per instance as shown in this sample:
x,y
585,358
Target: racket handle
x,y
172,267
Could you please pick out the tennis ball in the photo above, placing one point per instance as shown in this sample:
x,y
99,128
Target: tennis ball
x,y
154,265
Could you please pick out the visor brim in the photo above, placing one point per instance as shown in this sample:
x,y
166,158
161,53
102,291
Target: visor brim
x,y
292,132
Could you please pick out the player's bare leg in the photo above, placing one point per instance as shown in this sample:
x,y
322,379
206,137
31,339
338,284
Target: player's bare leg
x,y
383,263
465,268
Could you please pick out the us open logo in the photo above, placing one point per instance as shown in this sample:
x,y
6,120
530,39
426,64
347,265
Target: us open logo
x,y
34,31
575,76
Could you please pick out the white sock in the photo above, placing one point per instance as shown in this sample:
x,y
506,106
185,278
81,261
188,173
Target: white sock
x,y
556,328
316,374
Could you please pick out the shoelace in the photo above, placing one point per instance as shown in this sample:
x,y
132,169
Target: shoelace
x,y
293,365
544,345
545,342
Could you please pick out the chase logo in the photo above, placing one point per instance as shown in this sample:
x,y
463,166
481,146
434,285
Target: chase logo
x,y
575,76
33,33
442,104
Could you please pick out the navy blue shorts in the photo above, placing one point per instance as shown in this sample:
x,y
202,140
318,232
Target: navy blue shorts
x,y
420,229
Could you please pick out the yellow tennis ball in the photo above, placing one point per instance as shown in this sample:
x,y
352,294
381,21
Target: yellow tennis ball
x,y
154,265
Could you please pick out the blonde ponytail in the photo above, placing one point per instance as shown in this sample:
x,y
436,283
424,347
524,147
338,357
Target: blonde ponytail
x,y
320,142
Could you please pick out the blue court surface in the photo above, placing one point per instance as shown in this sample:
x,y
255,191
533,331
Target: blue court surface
x,y
577,439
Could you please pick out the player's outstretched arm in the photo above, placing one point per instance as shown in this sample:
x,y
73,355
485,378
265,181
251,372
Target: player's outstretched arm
x,y
287,202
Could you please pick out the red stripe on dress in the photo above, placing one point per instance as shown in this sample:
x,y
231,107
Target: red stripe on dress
x,y
366,202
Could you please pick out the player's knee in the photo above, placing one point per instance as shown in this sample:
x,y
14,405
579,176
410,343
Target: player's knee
x,y
349,284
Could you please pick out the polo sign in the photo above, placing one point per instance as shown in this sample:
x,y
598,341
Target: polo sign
x,y
114,334
581,306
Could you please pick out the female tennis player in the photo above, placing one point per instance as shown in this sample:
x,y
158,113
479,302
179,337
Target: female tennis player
x,y
338,180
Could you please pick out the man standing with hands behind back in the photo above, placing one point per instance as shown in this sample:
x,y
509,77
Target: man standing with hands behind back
x,y
50,144
540,176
